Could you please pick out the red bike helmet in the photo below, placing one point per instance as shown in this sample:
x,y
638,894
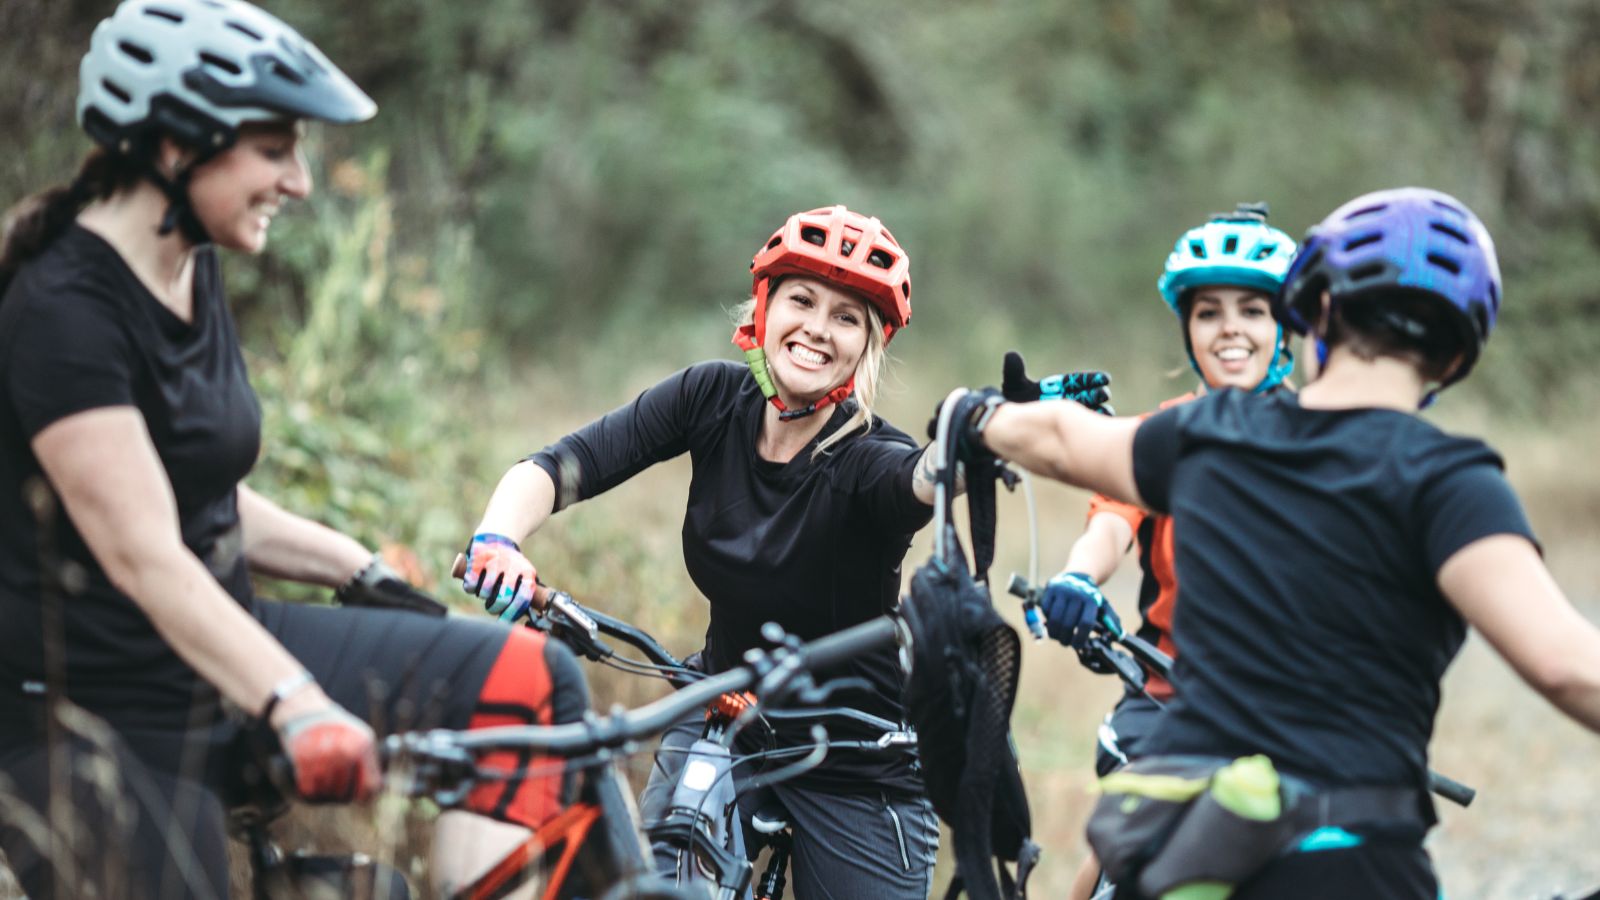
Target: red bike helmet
x,y
842,248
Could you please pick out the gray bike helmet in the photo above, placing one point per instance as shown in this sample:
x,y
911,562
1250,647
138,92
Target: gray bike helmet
x,y
199,69
196,70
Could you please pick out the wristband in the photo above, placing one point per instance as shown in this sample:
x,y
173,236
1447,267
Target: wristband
x,y
350,583
283,690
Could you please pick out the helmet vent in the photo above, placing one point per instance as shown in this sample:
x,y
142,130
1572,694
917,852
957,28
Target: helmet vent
x,y
226,65
245,30
1444,229
174,17
1198,249
1367,211
847,246
1450,206
1231,244
776,240
1445,262
1362,240
1362,273
115,90
880,259
1263,252
814,235
286,73
137,52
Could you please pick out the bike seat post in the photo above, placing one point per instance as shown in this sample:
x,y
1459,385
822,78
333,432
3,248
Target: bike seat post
x,y
773,877
265,858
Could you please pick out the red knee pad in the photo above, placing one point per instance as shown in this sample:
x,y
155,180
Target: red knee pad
x,y
517,691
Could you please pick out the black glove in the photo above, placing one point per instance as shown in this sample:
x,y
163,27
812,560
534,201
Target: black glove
x,y
378,585
1090,388
967,421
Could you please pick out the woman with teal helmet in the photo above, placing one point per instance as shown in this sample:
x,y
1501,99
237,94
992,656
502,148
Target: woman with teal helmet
x,y
1219,281
1238,250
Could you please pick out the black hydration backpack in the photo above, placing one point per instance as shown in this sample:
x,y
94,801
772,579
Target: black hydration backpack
x,y
965,661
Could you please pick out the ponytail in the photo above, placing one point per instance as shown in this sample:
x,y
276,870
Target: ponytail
x,y
37,221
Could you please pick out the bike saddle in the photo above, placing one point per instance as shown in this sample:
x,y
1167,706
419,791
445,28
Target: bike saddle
x,y
770,817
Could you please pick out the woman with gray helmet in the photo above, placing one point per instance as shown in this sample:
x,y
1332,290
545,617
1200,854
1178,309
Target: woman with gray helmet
x,y
127,535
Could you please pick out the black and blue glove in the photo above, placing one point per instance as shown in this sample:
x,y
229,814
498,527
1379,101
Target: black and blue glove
x,y
1074,608
1089,388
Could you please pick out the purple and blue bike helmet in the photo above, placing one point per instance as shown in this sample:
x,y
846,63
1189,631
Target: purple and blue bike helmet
x,y
1422,242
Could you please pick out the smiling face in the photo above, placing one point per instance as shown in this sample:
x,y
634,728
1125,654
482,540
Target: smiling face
x,y
816,334
1232,335
236,194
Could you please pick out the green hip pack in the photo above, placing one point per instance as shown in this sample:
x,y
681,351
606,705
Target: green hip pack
x,y
1196,827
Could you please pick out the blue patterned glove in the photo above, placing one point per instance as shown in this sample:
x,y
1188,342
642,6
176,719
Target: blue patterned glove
x,y
500,575
1090,388
1074,608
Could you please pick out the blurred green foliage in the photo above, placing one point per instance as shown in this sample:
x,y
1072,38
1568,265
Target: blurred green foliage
x,y
581,183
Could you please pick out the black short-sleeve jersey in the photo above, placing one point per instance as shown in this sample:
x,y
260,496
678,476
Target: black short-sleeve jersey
x,y
812,544
79,331
1310,624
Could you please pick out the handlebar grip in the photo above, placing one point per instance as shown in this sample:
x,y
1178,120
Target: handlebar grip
x,y
1450,789
829,651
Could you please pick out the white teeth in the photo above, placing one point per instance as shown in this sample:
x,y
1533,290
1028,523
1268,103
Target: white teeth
x,y
1232,354
807,355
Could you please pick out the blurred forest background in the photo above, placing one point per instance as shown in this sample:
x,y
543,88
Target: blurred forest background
x,y
558,200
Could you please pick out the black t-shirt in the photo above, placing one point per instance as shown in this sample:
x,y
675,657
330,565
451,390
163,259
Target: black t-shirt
x,y
814,545
79,331
1310,624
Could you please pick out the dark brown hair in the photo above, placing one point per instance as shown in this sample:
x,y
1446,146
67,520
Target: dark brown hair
x,y
37,221
1411,326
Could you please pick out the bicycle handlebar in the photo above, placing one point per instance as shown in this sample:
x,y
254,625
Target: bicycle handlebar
x,y
769,672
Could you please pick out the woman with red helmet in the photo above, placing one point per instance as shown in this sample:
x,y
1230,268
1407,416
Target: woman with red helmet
x,y
801,506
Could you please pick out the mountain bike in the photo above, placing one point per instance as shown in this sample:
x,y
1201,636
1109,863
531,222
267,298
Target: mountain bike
x,y
593,848
700,840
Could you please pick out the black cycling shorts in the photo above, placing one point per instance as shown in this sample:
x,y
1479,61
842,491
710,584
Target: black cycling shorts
x,y
153,819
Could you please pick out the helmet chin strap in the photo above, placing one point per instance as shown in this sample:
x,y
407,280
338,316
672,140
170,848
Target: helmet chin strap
x,y
1280,367
749,338
180,215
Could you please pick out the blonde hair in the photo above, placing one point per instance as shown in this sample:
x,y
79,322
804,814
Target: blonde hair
x,y
869,371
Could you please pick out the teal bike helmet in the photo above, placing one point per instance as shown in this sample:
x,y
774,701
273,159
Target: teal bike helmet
x,y
1237,249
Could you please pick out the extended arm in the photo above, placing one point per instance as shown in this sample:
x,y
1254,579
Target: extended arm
x,y
521,503
1502,588
1066,442
926,475
1097,552
283,545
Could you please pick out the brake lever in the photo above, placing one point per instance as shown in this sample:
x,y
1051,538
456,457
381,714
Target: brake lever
x,y
1118,662
435,761
562,602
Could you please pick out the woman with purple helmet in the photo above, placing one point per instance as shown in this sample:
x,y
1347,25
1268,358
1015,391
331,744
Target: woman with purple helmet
x,y
1336,548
